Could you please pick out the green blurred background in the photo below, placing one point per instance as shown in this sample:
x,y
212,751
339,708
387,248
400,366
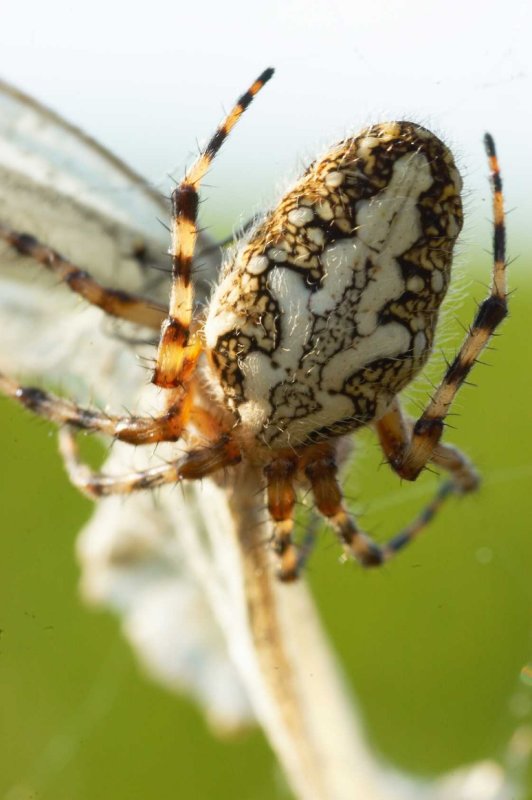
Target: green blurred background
x,y
433,645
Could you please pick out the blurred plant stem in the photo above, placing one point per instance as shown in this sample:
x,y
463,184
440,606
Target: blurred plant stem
x,y
293,681
301,699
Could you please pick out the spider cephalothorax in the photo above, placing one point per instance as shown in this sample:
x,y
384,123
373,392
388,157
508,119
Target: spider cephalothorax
x,y
322,314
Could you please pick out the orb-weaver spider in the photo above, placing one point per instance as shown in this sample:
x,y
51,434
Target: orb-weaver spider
x,y
323,312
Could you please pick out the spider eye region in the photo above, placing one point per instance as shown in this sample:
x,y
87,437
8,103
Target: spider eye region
x,y
328,307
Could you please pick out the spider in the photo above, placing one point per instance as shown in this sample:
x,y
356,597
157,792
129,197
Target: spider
x,y
324,311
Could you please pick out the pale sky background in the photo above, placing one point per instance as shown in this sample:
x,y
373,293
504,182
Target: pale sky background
x,y
151,79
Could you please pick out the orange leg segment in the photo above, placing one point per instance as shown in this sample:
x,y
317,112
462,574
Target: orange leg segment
x,y
280,475
395,436
178,350
194,465
136,430
320,467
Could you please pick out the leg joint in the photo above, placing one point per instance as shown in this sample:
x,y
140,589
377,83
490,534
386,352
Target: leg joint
x,y
491,313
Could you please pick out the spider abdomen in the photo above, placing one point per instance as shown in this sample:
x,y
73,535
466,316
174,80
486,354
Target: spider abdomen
x,y
328,308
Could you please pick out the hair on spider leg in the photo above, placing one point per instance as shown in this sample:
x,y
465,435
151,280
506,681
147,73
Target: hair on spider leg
x,y
110,328
465,328
445,358
482,363
259,491
147,370
470,383
257,544
508,263
428,468
160,268
155,499
353,501
203,200
416,402
178,486
127,412
200,267
163,223
43,423
170,176
204,229
239,232
384,462
150,360
199,148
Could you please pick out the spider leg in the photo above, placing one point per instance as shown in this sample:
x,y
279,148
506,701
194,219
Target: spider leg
x,y
178,350
308,541
280,475
321,470
429,427
464,476
136,430
395,434
114,302
194,465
